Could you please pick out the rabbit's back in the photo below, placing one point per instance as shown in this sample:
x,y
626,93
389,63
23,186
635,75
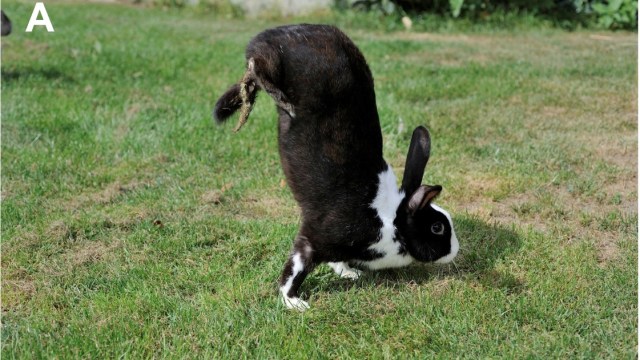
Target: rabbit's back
x,y
329,132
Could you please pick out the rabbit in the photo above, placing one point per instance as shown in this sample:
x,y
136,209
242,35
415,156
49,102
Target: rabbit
x,y
353,216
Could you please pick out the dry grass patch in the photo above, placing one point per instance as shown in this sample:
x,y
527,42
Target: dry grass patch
x,y
92,252
107,195
18,286
269,206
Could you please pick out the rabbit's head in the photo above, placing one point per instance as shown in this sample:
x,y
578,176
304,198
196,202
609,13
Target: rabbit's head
x,y
425,229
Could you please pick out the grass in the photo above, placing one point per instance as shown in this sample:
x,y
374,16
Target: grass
x,y
132,226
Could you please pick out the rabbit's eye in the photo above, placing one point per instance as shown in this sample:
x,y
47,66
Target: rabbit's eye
x,y
437,228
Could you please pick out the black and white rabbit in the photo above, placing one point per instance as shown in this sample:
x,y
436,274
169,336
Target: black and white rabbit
x,y
354,217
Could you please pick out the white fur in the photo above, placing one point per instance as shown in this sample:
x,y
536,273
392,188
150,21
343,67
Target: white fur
x,y
386,203
454,240
345,271
293,302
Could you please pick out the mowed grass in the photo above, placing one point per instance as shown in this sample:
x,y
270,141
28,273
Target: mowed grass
x,y
132,226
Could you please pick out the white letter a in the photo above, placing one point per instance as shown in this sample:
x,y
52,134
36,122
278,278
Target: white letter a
x,y
39,9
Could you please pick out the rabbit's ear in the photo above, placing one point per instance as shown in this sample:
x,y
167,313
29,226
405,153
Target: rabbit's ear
x,y
417,159
423,196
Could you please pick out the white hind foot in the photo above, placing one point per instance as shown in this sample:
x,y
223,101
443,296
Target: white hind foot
x,y
295,303
300,263
351,274
345,271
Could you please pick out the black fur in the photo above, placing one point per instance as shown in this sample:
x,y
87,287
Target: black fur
x,y
6,24
228,103
330,146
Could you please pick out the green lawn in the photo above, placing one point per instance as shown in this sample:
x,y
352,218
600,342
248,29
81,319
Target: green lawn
x,y
132,226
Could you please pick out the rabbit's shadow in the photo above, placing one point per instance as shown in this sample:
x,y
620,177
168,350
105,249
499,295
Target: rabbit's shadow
x,y
481,245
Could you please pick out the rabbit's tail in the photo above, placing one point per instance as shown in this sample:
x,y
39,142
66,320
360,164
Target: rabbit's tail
x,y
239,96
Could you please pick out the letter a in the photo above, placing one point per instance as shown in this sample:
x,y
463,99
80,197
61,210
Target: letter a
x,y
39,9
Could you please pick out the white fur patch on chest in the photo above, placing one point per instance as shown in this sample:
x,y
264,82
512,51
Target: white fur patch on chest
x,y
386,203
